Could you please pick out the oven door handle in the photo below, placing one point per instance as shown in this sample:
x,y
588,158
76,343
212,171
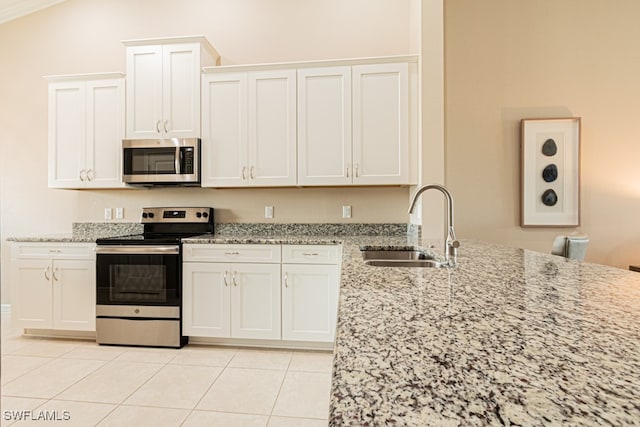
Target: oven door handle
x,y
139,250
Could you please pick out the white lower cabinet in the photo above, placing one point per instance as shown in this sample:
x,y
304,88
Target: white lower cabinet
x,y
53,287
310,284
240,299
231,300
206,300
257,297
255,301
309,302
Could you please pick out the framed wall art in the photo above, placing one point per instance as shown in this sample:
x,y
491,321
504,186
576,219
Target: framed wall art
x,y
550,172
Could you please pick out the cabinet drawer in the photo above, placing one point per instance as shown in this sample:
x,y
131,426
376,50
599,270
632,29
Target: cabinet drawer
x,y
232,253
53,250
311,254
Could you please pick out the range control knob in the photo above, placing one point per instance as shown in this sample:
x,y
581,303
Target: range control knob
x,y
198,214
205,214
144,215
151,215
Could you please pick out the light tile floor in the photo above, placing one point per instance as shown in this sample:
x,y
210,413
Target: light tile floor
x,y
94,385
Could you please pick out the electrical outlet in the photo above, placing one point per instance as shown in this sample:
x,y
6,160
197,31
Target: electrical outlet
x,y
346,211
119,213
108,213
268,211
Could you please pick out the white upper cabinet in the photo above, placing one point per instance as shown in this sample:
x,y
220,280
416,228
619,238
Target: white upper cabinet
x,y
324,126
380,124
353,125
249,129
86,128
163,86
224,130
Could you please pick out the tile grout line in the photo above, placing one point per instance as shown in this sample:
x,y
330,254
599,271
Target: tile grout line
x,y
25,373
284,377
121,403
210,385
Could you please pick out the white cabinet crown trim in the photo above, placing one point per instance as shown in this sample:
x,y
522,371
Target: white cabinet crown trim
x,y
313,64
88,76
176,40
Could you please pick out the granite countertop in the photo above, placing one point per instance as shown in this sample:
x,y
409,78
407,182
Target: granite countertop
x,y
84,232
257,239
510,337
53,238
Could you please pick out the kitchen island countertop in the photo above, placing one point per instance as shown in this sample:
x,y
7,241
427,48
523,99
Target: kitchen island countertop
x,y
509,337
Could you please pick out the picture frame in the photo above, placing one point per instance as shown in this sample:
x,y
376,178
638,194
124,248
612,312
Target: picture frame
x,y
550,172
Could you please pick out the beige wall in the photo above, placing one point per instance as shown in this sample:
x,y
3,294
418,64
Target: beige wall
x,y
83,36
506,60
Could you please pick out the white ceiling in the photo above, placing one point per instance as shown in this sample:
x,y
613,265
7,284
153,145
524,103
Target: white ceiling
x,y
12,9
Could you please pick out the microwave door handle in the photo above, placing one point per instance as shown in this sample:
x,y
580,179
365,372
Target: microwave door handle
x,y
178,160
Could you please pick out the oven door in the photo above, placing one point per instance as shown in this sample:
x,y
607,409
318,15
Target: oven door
x,y
138,275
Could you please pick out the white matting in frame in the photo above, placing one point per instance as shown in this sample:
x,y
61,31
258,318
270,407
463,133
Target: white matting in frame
x,y
550,172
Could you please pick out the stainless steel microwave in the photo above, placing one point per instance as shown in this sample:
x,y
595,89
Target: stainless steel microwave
x,y
174,161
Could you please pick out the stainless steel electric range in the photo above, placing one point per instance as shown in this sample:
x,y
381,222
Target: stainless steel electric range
x,y
139,279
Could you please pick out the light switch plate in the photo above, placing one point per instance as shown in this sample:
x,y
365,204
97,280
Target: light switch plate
x,y
268,211
346,211
119,213
108,213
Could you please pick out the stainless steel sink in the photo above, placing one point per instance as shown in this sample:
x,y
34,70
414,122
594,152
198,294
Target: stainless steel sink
x,y
399,258
401,263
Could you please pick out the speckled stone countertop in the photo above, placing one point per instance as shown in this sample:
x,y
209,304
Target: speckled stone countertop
x,y
509,337
85,232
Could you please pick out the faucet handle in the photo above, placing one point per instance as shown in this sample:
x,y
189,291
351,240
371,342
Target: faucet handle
x,y
455,244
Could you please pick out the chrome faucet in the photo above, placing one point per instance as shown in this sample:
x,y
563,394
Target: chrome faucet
x,y
451,244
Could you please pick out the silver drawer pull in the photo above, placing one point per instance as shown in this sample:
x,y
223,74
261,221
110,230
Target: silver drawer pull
x,y
54,274
55,251
46,274
232,253
233,279
310,253
225,279
286,276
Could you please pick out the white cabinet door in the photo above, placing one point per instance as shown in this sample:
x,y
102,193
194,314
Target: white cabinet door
x,y
74,295
105,131
249,129
224,130
381,124
31,301
163,91
206,300
181,91
309,302
144,92
324,126
86,128
255,301
67,130
272,128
